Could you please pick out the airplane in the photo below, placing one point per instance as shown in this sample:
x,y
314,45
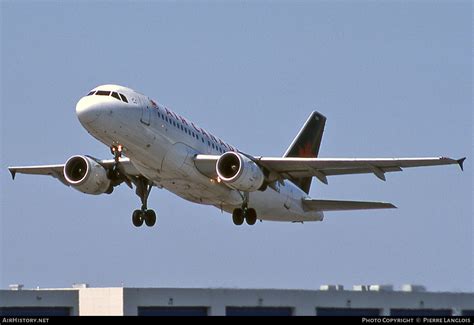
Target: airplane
x,y
152,146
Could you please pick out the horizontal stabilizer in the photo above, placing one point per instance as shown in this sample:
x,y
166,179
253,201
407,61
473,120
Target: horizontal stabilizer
x,y
333,205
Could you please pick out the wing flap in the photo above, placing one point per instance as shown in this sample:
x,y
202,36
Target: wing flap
x,y
335,205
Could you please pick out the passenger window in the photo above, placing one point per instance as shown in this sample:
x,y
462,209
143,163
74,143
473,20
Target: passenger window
x,y
115,95
102,93
123,98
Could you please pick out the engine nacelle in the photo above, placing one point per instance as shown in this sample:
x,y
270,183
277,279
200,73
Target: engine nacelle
x,y
239,172
86,175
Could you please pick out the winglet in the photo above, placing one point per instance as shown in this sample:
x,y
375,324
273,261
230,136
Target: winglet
x,y
461,163
13,172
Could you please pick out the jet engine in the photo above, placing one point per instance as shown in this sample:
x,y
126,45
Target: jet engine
x,y
86,175
239,172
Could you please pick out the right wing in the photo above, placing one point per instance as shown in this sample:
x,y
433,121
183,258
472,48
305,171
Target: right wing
x,y
332,205
52,170
57,171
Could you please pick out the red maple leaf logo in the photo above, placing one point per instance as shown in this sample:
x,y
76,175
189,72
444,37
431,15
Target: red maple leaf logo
x,y
306,150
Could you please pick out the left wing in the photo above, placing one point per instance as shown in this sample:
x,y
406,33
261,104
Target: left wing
x,y
291,168
322,167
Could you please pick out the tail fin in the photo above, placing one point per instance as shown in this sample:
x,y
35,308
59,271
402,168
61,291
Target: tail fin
x,y
306,144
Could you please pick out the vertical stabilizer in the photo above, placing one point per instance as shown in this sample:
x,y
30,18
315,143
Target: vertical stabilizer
x,y
306,144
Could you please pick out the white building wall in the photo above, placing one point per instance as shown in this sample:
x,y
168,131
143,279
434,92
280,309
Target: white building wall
x,y
101,301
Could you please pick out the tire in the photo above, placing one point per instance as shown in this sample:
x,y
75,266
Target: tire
x,y
251,217
238,217
150,218
137,218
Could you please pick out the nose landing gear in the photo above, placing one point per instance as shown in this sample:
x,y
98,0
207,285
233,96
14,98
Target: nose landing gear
x,y
143,189
146,215
117,152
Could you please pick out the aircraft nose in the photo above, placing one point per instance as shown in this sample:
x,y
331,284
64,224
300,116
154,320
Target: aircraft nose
x,y
88,110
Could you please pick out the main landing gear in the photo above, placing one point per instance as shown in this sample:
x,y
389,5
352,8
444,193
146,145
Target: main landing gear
x,y
139,216
244,213
144,214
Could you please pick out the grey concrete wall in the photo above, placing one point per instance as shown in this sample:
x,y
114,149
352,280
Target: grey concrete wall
x,y
41,298
301,301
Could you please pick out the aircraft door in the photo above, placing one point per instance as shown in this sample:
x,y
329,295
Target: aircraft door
x,y
146,111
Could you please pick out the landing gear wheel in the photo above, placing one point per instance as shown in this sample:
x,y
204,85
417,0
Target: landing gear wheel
x,y
150,218
143,189
251,217
137,218
238,217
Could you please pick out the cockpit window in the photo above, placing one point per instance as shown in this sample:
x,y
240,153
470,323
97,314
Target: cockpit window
x,y
115,95
123,98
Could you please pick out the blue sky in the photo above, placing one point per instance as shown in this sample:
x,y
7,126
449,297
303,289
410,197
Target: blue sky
x,y
394,79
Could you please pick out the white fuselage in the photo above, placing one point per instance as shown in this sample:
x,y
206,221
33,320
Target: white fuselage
x,y
161,145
